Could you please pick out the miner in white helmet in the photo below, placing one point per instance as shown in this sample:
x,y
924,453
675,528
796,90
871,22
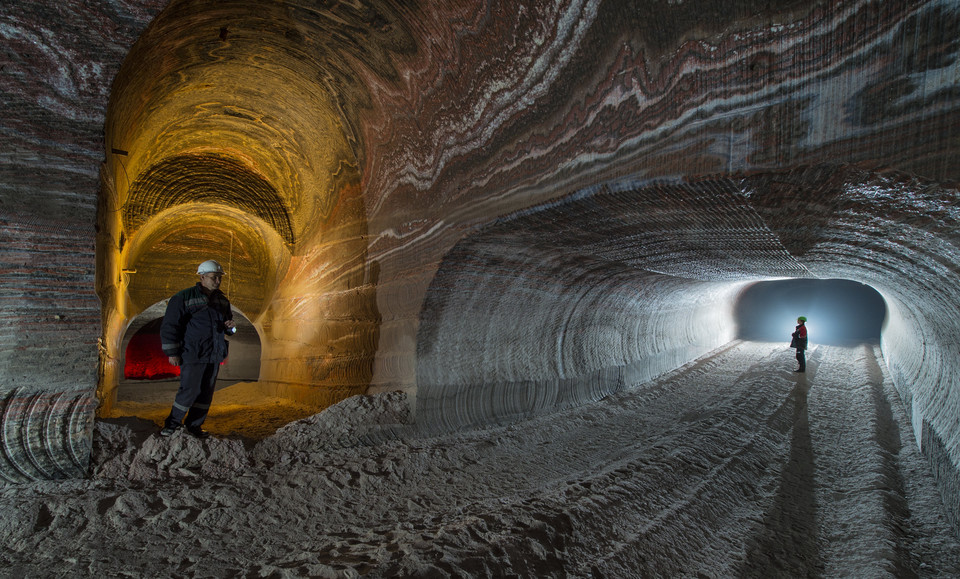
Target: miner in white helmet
x,y
192,334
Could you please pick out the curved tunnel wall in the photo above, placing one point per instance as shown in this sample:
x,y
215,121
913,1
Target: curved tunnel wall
x,y
566,303
652,93
616,285
553,330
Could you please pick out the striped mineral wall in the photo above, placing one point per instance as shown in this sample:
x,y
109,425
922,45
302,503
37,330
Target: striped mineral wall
x,y
498,207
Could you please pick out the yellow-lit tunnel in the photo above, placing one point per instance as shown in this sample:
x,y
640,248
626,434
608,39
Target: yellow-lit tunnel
x,y
225,143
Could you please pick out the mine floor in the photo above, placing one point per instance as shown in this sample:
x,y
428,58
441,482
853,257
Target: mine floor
x,y
731,466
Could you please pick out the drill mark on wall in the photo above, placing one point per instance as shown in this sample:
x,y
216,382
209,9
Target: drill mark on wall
x,y
8,421
48,434
76,436
25,439
38,429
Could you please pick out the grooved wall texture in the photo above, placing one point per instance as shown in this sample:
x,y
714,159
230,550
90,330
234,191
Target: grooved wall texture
x,y
502,208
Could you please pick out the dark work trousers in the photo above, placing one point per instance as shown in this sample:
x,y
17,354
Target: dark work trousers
x,y
802,358
197,382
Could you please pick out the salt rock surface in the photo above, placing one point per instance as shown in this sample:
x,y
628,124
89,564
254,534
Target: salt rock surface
x,y
130,449
731,466
358,420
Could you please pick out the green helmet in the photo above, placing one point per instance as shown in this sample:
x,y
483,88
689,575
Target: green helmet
x,y
802,319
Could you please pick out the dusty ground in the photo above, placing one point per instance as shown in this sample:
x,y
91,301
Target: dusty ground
x,y
239,410
731,466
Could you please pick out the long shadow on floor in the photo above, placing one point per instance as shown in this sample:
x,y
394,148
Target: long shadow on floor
x,y
787,543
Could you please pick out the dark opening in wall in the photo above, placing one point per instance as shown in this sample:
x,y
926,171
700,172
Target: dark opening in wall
x,y
839,312
150,382
144,359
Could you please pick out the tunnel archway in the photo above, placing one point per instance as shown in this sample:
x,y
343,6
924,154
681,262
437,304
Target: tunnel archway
x,y
237,393
839,312
219,153
144,359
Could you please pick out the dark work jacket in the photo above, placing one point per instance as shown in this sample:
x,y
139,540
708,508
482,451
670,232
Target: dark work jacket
x,y
193,326
799,338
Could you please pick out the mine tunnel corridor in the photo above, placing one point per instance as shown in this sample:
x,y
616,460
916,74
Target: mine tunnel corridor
x,y
264,177
149,383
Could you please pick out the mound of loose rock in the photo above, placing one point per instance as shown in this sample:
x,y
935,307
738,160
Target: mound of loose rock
x,y
357,421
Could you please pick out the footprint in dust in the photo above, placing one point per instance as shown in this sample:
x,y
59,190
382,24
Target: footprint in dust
x,y
106,504
44,519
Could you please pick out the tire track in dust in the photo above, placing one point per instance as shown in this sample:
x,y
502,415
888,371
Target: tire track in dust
x,y
697,480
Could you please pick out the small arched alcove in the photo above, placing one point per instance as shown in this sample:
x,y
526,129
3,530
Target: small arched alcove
x,y
149,383
145,362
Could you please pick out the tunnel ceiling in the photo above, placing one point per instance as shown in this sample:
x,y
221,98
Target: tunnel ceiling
x,y
706,230
240,115
247,246
205,178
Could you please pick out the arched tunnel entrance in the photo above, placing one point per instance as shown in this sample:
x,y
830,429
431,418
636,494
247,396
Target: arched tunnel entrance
x,y
617,284
261,175
149,382
143,358
839,312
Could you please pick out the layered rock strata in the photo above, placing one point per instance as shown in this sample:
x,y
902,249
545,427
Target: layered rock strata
x,y
369,173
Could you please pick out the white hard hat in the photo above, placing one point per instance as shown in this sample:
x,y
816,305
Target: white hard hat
x,y
209,266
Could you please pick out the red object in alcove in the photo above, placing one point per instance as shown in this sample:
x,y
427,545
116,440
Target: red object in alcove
x,y
145,359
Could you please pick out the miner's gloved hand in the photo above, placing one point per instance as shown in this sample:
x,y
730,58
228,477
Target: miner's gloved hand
x,y
174,360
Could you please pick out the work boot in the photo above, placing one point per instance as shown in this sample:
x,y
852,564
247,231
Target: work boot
x,y
169,429
198,432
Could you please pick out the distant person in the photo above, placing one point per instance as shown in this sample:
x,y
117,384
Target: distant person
x,y
800,343
193,337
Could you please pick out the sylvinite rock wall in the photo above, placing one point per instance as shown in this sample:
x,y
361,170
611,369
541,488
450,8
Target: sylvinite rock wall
x,y
57,61
533,204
